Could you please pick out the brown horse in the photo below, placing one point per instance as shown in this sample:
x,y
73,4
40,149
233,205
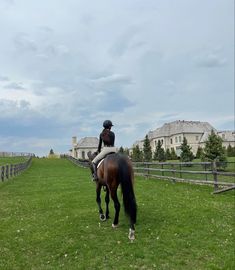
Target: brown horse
x,y
117,169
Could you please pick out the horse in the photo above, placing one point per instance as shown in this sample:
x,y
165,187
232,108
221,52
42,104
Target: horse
x,y
113,170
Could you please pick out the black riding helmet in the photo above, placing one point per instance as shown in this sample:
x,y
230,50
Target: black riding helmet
x,y
107,124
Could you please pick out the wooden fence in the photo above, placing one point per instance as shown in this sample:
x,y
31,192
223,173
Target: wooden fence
x,y
83,163
16,154
194,172
10,170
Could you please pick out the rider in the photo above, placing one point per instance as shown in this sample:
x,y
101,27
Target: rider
x,y
107,137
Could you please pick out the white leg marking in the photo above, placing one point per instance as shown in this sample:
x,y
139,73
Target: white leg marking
x,y
131,235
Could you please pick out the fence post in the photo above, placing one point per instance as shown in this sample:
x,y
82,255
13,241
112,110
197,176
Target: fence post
x,y
147,169
173,172
2,172
214,171
11,169
7,171
205,167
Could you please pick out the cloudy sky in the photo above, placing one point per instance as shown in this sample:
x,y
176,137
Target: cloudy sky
x,y
67,65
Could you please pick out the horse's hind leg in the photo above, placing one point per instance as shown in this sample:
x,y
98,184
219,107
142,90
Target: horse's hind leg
x,y
107,203
116,206
98,200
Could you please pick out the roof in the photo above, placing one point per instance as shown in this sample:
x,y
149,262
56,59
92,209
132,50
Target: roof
x,y
88,142
229,136
180,126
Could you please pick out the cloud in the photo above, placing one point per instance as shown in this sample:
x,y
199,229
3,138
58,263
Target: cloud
x,y
125,41
112,79
138,64
39,146
210,60
4,78
25,43
14,85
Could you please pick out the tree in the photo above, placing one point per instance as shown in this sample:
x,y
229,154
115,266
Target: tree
x,y
51,152
168,154
159,153
137,154
230,151
126,151
173,154
214,150
147,149
121,150
186,154
199,152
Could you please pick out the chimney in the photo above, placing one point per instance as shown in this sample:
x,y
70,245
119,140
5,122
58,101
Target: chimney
x,y
74,140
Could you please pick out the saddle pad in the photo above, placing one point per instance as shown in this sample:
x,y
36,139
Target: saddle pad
x,y
100,162
104,158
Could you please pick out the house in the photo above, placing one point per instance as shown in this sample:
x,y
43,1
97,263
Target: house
x,y
171,135
85,145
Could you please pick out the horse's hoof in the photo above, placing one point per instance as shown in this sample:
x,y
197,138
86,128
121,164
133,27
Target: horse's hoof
x,y
102,217
114,226
131,235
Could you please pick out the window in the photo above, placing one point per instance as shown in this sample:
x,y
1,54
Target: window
x,y
197,137
179,138
176,139
162,141
171,141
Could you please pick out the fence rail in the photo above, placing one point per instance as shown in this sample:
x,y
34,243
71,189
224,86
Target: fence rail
x,y
177,172
83,163
16,154
203,173
11,170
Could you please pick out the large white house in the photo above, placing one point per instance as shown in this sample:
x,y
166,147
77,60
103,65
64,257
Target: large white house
x,y
171,135
81,148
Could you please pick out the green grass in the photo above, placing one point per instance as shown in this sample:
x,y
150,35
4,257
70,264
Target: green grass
x,y
12,160
49,220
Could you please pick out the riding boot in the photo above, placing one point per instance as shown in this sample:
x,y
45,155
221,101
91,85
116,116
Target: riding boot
x,y
95,178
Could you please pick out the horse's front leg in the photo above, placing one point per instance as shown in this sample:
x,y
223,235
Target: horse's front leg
x,y
107,202
117,208
98,200
131,235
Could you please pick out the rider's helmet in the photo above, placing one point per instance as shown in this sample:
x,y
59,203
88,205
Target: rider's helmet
x,y
107,124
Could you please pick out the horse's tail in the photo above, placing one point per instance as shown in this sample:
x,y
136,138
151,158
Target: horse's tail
x,y
125,175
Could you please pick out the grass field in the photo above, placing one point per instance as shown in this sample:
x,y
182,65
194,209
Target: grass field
x,y
49,220
12,160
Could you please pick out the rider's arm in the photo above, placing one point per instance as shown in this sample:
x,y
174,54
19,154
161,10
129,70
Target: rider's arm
x,y
100,144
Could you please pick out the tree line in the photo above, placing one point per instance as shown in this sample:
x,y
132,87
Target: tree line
x,y
213,151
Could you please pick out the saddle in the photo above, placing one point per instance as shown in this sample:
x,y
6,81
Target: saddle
x,y
100,162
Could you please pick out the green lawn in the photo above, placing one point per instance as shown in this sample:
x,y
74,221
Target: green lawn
x,y
49,220
12,160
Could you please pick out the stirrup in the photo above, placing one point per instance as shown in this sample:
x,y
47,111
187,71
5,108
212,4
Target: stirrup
x,y
94,177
